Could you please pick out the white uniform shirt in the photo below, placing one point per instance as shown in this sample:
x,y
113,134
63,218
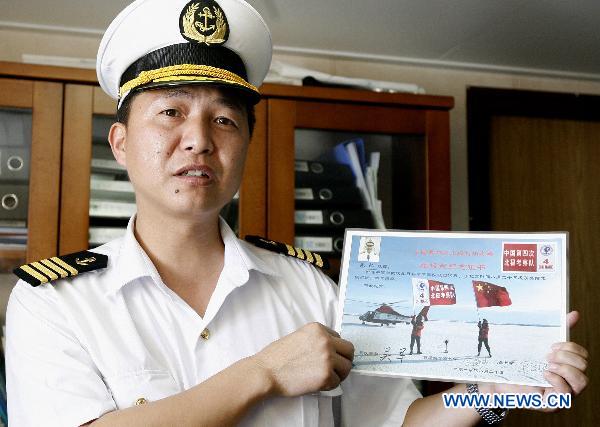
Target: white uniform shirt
x,y
81,347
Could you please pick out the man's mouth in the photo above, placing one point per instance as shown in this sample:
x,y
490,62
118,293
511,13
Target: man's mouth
x,y
196,171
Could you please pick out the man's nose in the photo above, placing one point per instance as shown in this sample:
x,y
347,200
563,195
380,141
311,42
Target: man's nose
x,y
197,137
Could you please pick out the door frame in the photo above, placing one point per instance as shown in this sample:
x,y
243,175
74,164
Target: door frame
x,y
484,103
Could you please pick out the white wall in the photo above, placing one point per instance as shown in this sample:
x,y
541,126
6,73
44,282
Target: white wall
x,y
436,81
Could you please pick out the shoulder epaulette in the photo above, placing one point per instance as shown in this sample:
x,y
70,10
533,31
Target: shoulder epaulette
x,y
59,267
282,248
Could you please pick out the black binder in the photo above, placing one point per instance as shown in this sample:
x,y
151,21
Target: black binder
x,y
14,201
325,244
334,218
310,173
327,196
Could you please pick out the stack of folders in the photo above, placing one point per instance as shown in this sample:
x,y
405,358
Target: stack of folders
x,y
334,194
14,194
327,202
13,237
112,201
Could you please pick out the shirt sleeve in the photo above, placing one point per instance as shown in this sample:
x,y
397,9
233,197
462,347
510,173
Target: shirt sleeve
x,y
330,297
51,379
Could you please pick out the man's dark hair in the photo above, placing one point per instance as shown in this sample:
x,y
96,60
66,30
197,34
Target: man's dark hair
x,y
245,101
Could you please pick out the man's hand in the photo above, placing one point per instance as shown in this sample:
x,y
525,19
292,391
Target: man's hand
x,y
566,370
311,359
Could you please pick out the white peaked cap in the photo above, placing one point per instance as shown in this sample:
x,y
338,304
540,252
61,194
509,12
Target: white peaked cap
x,y
161,43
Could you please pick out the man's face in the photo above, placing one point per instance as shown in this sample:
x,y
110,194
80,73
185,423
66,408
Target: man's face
x,y
184,149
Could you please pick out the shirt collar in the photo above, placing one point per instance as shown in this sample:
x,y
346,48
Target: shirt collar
x,y
130,261
240,257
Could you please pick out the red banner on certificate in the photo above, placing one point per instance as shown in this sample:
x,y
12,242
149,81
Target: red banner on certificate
x,y
519,257
441,293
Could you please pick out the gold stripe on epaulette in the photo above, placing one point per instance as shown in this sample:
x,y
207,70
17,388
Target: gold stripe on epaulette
x,y
64,265
291,250
56,268
27,269
319,260
309,256
299,253
51,274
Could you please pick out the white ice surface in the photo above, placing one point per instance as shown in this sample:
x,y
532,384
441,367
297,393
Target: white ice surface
x,y
518,351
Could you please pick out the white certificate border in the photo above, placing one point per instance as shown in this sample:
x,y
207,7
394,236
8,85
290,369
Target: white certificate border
x,y
563,236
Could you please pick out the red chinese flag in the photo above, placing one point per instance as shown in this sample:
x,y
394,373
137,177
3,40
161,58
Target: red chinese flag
x,y
490,295
441,293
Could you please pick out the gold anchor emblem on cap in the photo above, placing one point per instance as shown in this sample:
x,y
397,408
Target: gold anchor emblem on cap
x,y
205,14
195,25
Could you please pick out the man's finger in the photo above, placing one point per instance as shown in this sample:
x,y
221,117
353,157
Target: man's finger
x,y
343,347
571,379
342,366
568,358
331,331
333,381
558,383
572,318
571,347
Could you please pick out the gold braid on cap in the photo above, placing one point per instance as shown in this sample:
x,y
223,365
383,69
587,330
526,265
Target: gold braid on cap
x,y
184,72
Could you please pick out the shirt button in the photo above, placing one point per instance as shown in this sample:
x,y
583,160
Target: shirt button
x,y
205,334
141,401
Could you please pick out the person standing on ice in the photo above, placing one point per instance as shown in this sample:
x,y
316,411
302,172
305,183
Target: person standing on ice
x,y
484,328
415,335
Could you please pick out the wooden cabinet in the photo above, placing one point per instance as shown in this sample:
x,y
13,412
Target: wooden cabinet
x,y
412,129
30,148
423,196
409,132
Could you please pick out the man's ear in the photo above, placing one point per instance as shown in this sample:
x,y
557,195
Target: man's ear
x,y
117,137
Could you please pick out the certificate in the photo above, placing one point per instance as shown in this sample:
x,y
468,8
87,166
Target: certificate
x,y
462,307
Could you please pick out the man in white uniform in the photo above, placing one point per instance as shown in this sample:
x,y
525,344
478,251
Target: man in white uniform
x,y
180,323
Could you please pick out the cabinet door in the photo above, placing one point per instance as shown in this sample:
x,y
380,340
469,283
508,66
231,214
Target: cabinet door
x,y
30,138
305,177
30,120
96,189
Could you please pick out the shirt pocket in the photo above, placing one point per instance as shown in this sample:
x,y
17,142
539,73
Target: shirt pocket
x,y
138,388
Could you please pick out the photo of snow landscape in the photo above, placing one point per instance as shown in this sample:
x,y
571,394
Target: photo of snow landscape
x,y
434,291
518,351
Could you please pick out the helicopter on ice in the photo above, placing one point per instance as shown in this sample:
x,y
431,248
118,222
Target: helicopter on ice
x,y
384,315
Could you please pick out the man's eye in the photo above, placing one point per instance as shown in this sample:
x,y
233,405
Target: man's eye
x,y
224,121
171,112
